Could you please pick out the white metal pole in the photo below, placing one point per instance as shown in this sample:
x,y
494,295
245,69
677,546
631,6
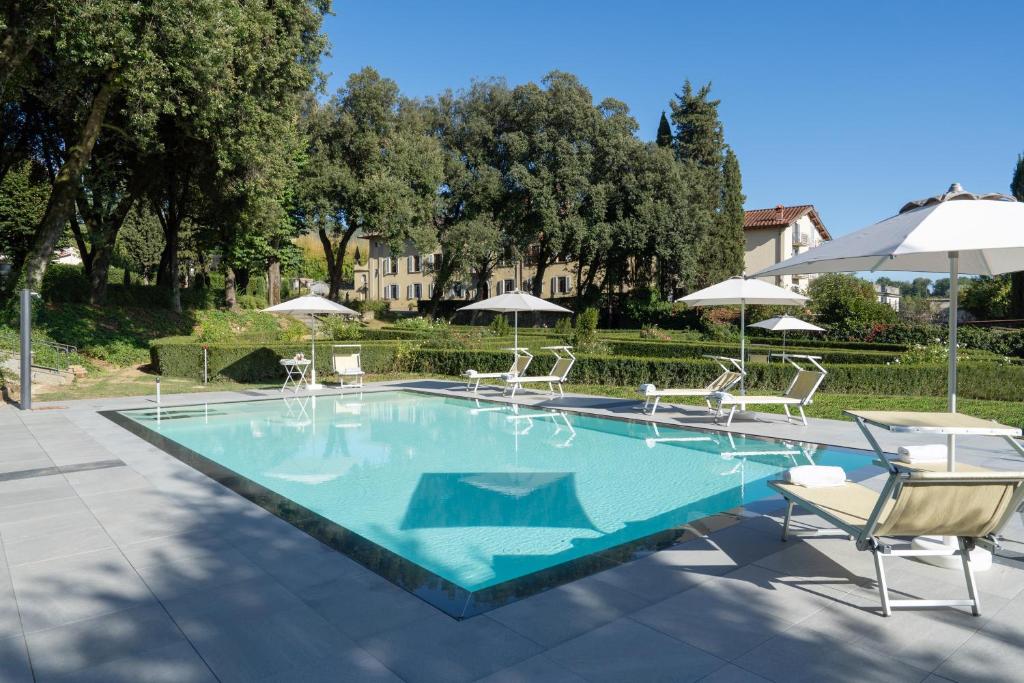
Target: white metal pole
x,y
743,350
954,302
516,342
26,350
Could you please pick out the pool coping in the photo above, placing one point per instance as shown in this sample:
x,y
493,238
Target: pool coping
x,y
448,597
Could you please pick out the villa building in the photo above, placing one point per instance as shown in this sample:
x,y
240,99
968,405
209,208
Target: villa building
x,y
774,235
403,280
890,296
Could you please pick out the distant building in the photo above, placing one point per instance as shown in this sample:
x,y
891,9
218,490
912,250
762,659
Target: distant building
x,y
774,235
403,280
890,296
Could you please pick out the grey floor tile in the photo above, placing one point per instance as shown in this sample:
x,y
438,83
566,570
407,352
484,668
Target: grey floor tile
x,y
10,618
563,613
730,615
832,561
106,480
802,655
362,604
58,544
39,511
56,592
995,653
626,650
36,490
89,643
438,648
730,673
14,661
177,663
246,645
670,571
310,564
352,665
177,577
539,669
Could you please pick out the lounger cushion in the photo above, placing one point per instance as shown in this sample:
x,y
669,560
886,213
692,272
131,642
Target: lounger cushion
x,y
729,399
850,503
520,380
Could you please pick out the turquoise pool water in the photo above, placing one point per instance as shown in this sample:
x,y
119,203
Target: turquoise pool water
x,y
481,493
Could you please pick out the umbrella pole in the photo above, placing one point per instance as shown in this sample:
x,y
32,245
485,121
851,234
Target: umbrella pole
x,y
312,370
515,343
954,302
743,351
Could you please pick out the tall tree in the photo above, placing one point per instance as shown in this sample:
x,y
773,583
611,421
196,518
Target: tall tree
x,y
469,126
549,176
727,251
372,168
700,145
664,137
1017,279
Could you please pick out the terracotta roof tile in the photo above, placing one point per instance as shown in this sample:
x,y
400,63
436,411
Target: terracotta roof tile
x,y
781,216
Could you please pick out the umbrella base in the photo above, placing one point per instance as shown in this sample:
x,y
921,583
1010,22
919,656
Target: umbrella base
x,y
981,559
314,386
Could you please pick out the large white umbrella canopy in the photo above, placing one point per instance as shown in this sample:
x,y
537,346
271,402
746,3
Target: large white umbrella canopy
x,y
741,291
311,305
515,302
785,323
955,232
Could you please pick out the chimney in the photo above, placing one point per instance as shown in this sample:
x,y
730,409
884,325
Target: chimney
x,y
780,212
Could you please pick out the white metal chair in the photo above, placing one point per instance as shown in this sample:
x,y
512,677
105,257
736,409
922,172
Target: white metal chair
x,y
564,360
800,392
347,362
520,363
729,377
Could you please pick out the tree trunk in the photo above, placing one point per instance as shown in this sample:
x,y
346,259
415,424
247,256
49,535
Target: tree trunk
x,y
1017,294
335,260
83,246
242,276
65,187
102,257
230,294
274,282
127,277
442,277
172,262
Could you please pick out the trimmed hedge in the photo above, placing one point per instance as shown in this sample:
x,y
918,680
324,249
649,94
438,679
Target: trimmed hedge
x,y
259,363
982,381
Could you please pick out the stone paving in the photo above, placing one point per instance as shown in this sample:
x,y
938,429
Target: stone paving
x,y
118,562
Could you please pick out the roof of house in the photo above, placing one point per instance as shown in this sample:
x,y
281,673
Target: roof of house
x,y
780,216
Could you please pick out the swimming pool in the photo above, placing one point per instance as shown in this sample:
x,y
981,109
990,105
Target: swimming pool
x,y
467,503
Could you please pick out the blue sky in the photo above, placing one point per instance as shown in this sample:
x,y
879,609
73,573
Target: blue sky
x,y
853,107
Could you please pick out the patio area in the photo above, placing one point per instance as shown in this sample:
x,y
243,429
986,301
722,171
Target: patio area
x,y
119,562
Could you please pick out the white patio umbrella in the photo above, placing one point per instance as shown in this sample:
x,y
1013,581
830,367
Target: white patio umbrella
x,y
515,302
741,291
956,232
785,323
312,306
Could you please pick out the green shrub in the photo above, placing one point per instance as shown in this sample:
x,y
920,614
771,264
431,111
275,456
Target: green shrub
x,y
253,362
563,330
246,326
654,333
65,284
337,328
499,326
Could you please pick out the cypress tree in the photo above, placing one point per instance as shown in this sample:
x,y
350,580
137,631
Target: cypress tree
x,y
1017,279
700,146
664,138
731,240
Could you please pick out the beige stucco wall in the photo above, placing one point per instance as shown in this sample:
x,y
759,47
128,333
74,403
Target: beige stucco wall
x,y
379,280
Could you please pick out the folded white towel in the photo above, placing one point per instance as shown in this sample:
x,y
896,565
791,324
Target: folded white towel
x,y
508,376
469,373
816,476
931,452
646,388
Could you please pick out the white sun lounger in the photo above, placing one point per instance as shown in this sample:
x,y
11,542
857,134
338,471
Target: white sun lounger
x,y
799,394
725,381
520,363
347,362
564,360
